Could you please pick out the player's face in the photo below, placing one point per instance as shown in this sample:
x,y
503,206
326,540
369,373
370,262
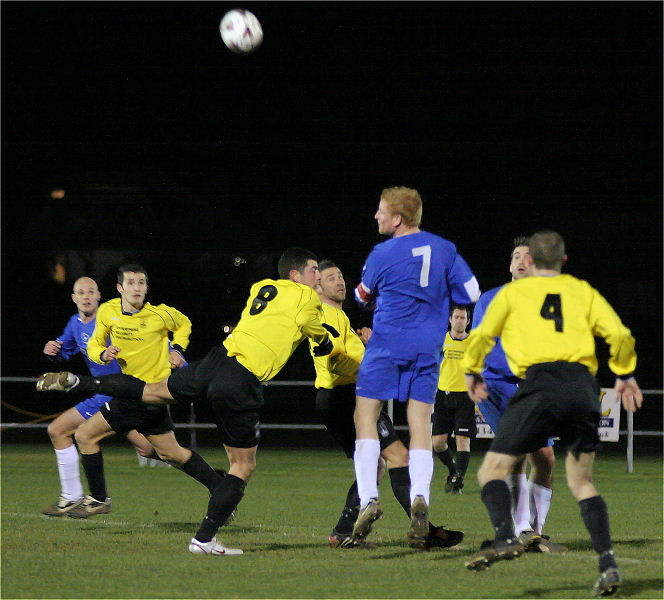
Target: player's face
x,y
459,320
310,275
386,220
86,296
332,284
520,263
133,289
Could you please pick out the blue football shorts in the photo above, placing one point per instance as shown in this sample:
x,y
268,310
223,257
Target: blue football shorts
x,y
500,392
383,377
90,406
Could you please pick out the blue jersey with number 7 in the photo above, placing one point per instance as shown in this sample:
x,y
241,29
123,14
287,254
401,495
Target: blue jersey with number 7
x,y
413,279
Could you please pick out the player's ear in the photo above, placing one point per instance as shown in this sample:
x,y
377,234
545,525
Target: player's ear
x,y
294,275
118,286
564,260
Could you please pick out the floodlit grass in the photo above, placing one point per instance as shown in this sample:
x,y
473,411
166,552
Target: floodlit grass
x,y
140,549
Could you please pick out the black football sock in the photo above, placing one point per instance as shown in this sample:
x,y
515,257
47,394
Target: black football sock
x,y
202,472
497,499
225,499
115,384
400,480
463,458
349,514
93,465
596,519
448,460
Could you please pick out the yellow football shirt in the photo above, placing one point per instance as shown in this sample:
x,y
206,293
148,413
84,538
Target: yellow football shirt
x,y
546,319
452,375
279,314
142,337
342,366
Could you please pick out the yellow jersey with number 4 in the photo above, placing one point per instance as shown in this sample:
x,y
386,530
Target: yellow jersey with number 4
x,y
543,319
279,314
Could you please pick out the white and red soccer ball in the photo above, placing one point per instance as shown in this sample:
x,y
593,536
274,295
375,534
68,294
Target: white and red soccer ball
x,y
241,31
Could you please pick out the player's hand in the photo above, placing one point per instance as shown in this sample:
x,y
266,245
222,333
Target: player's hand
x,y
332,330
477,390
365,334
52,348
324,348
175,359
110,353
630,393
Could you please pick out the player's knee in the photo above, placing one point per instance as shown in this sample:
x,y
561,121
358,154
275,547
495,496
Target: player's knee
x,y
54,430
176,455
243,467
82,436
439,443
494,466
482,475
462,443
581,487
396,454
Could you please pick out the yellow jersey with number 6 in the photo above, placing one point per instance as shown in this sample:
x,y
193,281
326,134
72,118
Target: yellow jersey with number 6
x,y
279,314
543,319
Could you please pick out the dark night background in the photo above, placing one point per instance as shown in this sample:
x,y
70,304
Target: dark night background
x,y
507,117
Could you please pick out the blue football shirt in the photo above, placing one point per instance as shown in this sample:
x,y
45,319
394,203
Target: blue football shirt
x,y
75,339
495,363
413,278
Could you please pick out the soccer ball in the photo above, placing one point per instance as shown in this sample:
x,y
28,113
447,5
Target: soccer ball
x,y
241,31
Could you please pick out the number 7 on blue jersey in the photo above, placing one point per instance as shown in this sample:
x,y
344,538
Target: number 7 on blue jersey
x,y
425,253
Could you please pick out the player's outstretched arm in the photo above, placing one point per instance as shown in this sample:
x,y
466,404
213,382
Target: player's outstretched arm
x,y
630,393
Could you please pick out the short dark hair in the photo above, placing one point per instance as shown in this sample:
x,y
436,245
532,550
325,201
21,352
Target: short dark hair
x,y
294,258
130,268
326,263
454,307
521,240
547,249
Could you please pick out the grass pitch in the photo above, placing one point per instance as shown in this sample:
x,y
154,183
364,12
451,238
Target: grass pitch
x,y
140,549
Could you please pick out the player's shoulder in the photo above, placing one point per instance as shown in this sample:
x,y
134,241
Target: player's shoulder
x,y
489,295
112,305
157,307
392,246
73,321
332,312
435,238
298,290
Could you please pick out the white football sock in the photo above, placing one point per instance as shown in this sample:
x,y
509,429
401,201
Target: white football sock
x,y
367,453
518,485
541,498
70,475
420,469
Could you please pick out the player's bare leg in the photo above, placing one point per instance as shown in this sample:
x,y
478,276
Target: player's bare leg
x,y
224,501
594,513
